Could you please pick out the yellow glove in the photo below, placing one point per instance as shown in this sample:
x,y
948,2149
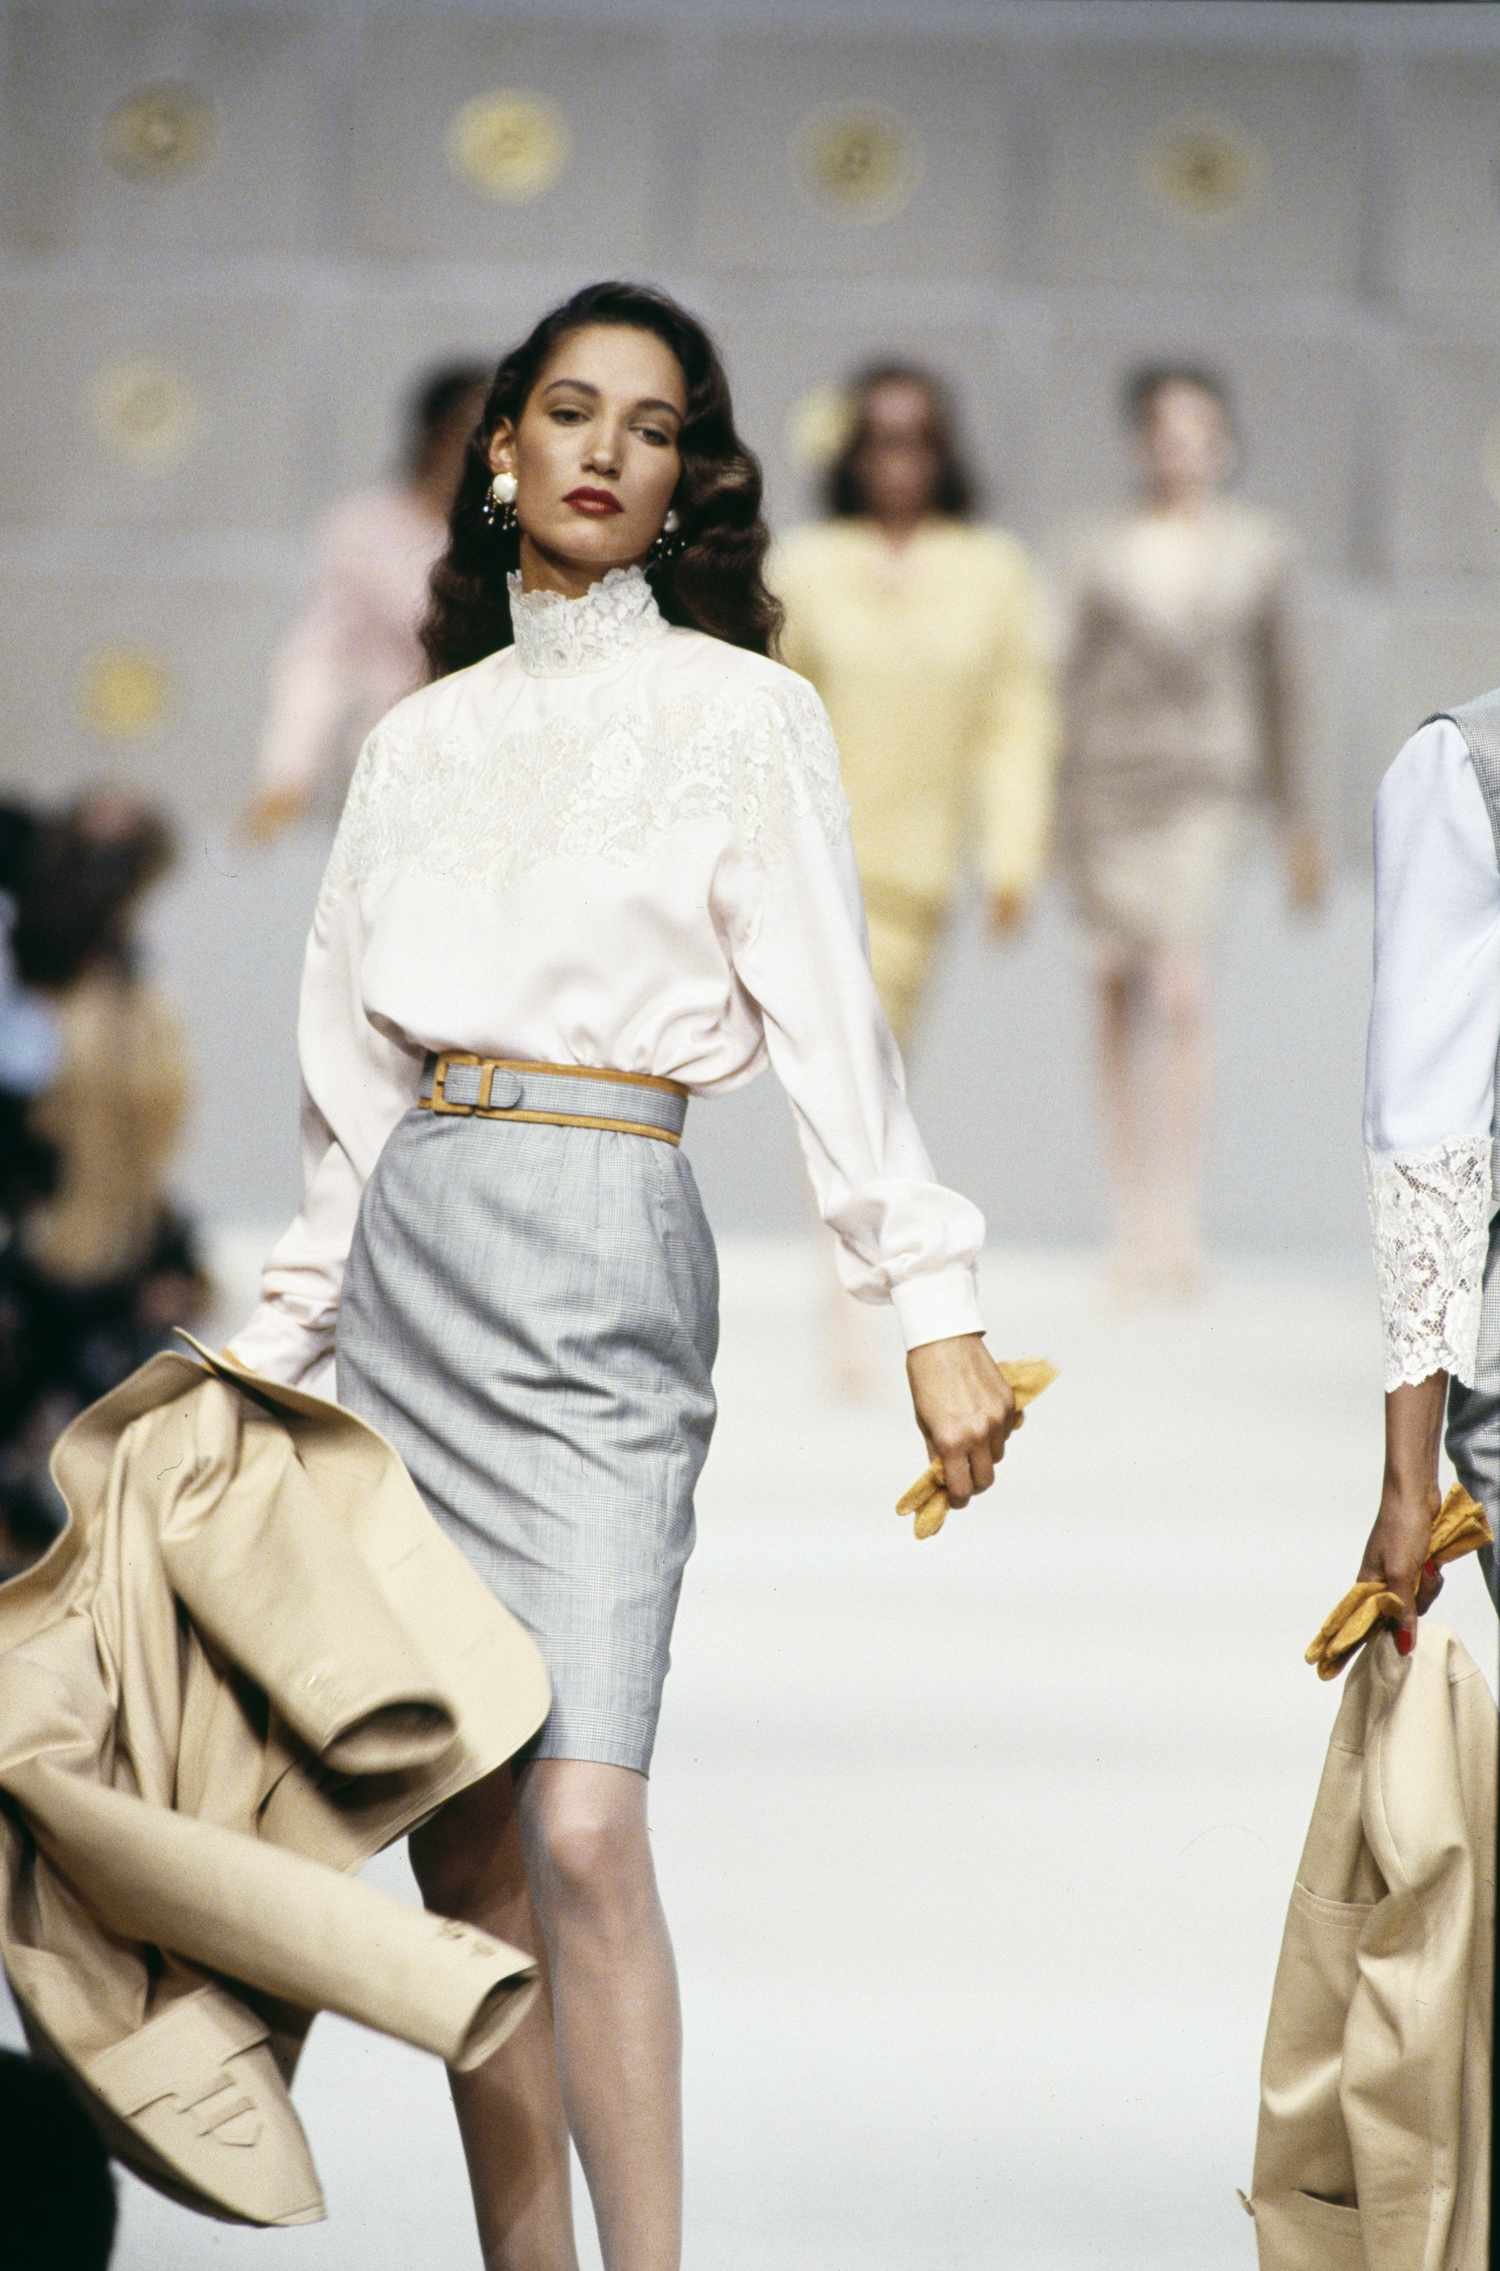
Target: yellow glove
x,y
927,1498
1459,1526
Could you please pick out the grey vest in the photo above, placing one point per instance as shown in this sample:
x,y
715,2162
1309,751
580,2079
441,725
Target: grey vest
x,y
1473,1431
1479,723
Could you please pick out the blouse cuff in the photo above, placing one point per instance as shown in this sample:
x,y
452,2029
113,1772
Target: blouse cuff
x,y
273,1343
938,1304
1430,1212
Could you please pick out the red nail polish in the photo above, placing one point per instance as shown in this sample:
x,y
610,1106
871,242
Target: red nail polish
x,y
1405,1641
1429,1569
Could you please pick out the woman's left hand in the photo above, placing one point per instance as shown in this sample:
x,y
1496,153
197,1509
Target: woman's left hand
x,y
965,1408
1307,872
1008,910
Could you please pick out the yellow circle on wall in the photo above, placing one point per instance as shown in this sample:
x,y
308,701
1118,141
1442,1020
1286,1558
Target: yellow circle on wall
x,y
818,425
1203,169
159,133
144,412
858,161
509,145
124,693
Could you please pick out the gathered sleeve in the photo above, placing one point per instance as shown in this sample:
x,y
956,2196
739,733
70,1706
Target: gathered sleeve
x,y
790,901
1017,746
356,1082
1430,1059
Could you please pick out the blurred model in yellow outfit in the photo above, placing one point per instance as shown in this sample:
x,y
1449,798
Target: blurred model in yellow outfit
x,y
922,633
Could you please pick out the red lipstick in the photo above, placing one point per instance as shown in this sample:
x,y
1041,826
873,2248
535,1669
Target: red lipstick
x,y
598,501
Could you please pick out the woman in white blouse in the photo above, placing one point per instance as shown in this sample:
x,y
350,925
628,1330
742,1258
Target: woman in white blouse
x,y
609,835
1429,1130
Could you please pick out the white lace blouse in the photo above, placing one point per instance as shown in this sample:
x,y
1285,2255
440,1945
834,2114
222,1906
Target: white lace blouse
x,y
615,843
1430,1061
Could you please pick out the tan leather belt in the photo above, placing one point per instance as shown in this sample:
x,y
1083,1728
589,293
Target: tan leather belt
x,y
559,1096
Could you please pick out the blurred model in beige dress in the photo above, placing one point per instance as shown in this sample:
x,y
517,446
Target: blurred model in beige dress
x,y
1183,704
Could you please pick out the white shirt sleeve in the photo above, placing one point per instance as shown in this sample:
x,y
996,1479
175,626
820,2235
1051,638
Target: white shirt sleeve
x,y
356,1084
1430,1059
800,949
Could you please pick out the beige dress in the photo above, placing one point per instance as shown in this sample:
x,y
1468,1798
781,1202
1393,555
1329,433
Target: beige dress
x,y
1182,705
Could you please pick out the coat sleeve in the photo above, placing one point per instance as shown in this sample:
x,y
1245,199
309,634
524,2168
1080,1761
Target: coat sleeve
x,y
1430,1056
356,1082
790,900
1018,737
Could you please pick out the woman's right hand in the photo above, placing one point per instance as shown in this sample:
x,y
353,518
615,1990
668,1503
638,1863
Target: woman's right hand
x,y
269,814
1396,1553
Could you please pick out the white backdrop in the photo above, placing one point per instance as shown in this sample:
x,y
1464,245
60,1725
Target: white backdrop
x,y
195,359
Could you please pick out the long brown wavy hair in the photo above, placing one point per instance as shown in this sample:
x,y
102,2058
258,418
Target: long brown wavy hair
x,y
715,583
954,491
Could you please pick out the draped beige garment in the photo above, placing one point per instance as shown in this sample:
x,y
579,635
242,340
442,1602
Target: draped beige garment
x,y
250,1660
1373,2147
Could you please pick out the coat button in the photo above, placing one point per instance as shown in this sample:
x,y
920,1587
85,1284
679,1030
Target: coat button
x,y
505,1090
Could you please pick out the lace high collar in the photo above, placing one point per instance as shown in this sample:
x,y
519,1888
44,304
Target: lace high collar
x,y
556,636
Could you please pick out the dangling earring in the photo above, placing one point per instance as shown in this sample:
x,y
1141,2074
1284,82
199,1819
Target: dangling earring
x,y
668,542
499,507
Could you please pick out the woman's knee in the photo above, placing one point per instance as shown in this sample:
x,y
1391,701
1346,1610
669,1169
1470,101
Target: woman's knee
x,y
1180,985
467,1857
590,1842
1117,984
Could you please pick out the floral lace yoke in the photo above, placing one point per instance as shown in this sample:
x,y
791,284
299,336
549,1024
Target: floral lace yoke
x,y
757,757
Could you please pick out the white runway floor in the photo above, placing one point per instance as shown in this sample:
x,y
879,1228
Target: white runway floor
x,y
976,1852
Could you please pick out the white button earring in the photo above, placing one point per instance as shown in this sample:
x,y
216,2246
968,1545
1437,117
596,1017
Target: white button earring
x,y
499,507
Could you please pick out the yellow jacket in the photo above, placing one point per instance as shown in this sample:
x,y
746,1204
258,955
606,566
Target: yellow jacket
x,y
1373,2147
931,662
250,1660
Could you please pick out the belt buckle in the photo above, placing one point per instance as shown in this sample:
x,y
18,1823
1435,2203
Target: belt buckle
x,y
438,1101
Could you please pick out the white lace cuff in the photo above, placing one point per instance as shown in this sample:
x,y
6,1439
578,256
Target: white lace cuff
x,y
1430,1211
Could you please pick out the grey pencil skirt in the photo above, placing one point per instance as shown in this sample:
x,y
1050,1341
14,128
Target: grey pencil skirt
x,y
530,1316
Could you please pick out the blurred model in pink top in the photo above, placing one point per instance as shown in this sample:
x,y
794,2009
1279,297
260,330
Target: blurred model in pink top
x,y
354,649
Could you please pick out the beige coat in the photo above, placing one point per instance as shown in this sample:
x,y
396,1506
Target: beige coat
x,y
251,1659
1373,2147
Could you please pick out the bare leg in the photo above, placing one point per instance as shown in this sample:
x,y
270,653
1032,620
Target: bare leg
x,y
1178,985
619,2022
1117,1012
468,1861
